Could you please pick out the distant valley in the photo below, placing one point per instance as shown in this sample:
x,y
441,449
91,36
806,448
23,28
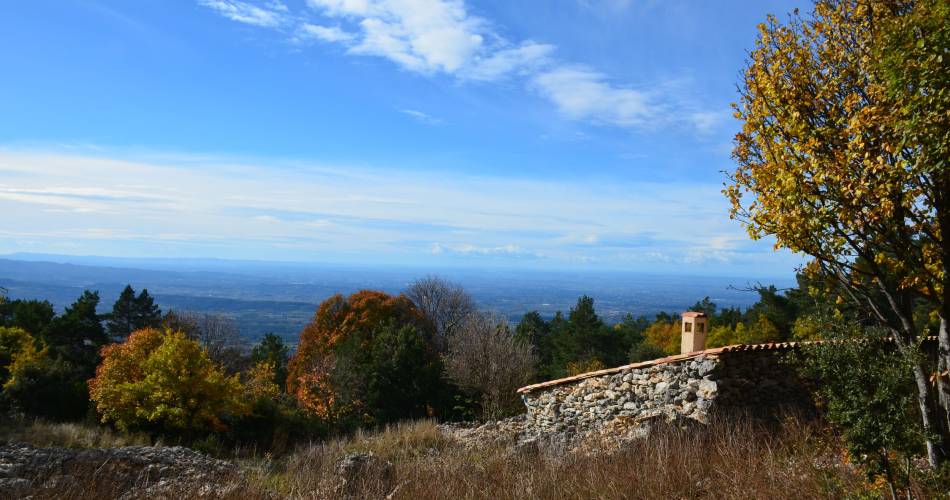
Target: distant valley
x,y
281,297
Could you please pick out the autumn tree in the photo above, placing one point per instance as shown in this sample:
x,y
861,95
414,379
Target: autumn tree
x,y
843,156
347,335
664,334
161,380
17,348
445,304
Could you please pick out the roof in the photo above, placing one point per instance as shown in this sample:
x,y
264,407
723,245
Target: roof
x,y
694,314
714,352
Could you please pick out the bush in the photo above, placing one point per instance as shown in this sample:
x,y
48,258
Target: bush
x,y
486,360
162,381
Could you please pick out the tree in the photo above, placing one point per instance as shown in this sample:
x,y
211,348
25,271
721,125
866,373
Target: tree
x,y
17,348
489,362
843,150
217,333
705,306
78,331
31,315
122,320
161,380
273,351
584,340
665,335
443,303
317,370
392,375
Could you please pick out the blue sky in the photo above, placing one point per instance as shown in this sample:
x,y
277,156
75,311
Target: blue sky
x,y
577,134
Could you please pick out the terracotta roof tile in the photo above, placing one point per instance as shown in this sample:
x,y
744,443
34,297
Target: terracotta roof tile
x,y
662,361
714,352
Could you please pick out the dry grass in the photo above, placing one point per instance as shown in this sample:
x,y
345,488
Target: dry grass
x,y
67,435
722,461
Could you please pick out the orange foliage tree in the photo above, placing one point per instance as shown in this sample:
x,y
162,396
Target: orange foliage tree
x,y
355,318
162,380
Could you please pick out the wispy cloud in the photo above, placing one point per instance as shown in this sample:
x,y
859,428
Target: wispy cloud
x,y
270,15
207,206
324,33
442,37
421,117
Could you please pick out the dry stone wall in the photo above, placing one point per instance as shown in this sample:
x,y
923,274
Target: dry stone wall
x,y
692,388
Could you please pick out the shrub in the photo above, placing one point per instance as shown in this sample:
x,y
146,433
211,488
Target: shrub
x,y
486,360
161,380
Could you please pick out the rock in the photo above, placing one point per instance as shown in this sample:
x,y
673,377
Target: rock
x,y
131,472
362,466
707,389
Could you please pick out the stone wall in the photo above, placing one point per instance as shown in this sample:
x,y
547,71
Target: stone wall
x,y
687,386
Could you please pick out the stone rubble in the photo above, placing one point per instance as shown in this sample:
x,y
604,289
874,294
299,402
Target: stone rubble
x,y
129,472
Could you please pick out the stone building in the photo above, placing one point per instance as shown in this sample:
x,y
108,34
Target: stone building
x,y
694,384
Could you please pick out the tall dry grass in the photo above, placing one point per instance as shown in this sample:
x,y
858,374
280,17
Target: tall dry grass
x,y
724,460
41,433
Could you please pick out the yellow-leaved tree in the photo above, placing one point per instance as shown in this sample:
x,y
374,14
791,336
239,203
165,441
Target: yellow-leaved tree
x,y
844,156
160,380
664,334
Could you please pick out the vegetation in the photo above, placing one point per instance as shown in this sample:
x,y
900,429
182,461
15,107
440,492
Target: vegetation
x,y
843,156
161,380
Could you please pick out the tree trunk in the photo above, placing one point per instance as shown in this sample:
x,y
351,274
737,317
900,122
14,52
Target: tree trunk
x,y
943,380
928,409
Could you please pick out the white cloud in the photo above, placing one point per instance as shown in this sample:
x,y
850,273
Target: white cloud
x,y
442,37
467,249
420,35
706,122
583,94
421,117
207,206
324,33
527,56
243,12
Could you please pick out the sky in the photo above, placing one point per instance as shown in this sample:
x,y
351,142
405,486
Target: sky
x,y
572,134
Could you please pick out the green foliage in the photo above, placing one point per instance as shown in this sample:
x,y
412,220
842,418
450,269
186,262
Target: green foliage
x,y
583,339
131,312
274,351
390,374
866,389
77,334
49,388
31,315
644,352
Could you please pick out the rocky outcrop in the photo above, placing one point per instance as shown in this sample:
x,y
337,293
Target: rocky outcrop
x,y
130,472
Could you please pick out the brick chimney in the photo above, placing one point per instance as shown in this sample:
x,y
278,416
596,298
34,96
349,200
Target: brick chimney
x,y
694,332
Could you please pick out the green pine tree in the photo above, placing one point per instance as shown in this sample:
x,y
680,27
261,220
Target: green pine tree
x,y
122,319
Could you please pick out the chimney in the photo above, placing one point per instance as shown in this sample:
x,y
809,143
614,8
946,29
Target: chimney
x,y
694,332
